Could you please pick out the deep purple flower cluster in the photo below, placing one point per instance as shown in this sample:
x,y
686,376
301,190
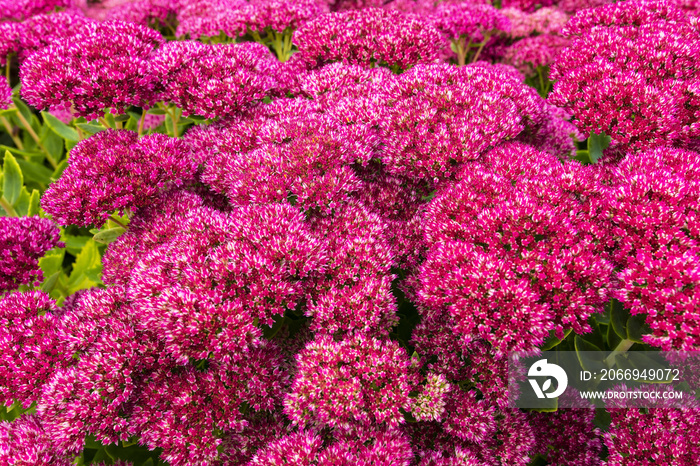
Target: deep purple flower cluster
x,y
115,171
102,67
608,82
41,31
457,115
213,80
25,442
280,15
22,242
369,36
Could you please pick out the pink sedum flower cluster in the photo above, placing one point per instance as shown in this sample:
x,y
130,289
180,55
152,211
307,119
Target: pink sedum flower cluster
x,y
369,36
114,171
328,258
606,80
654,199
102,67
23,241
213,80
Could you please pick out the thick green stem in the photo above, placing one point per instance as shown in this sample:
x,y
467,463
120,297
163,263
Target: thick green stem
x,y
175,119
461,50
103,122
622,347
7,207
141,122
481,47
32,133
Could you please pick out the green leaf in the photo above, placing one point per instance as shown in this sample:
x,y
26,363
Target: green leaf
x,y
597,143
23,154
636,327
613,338
85,273
52,142
50,283
34,206
74,244
12,178
91,129
22,203
582,156
109,236
52,262
588,361
643,360
26,112
618,318
39,174
60,128
553,341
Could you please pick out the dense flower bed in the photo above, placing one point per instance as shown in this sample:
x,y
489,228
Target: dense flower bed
x,y
309,232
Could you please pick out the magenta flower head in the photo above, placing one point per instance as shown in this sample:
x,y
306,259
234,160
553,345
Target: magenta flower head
x,y
23,240
568,436
507,238
149,13
527,5
280,15
11,34
505,439
356,380
531,53
556,135
369,36
654,203
150,227
214,80
5,95
475,22
29,353
113,170
25,441
44,30
608,81
355,445
444,115
665,433
102,67
543,21
354,293
207,18
23,9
